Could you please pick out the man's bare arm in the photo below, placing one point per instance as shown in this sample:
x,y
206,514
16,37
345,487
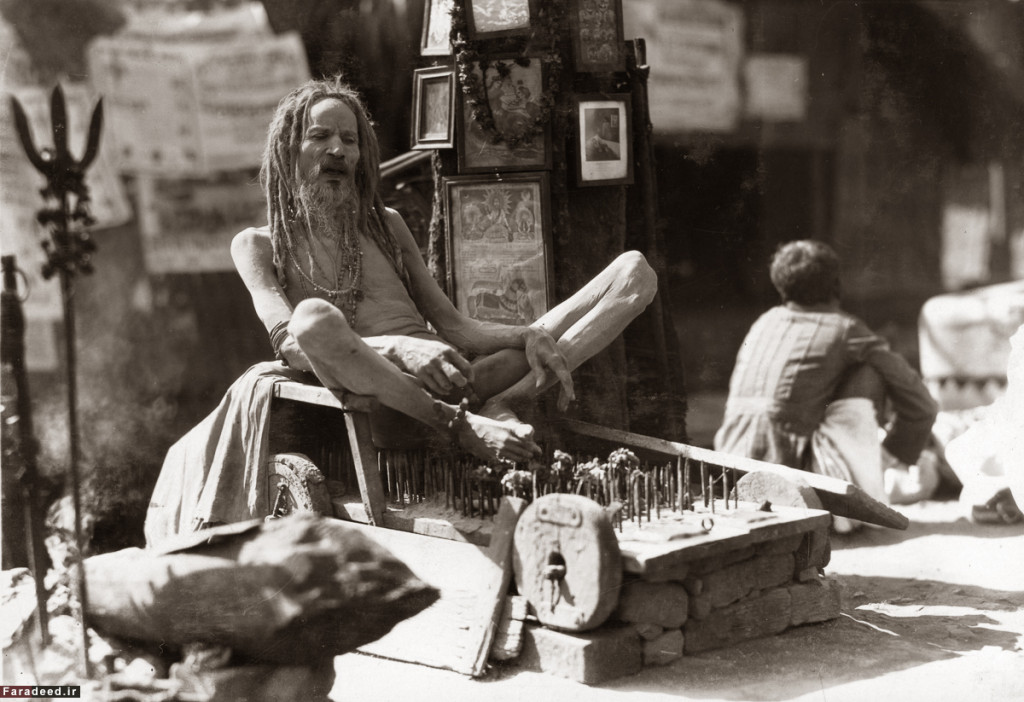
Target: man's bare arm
x,y
436,365
253,255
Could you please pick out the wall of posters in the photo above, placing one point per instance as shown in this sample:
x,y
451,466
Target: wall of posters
x,y
187,225
20,184
190,107
695,51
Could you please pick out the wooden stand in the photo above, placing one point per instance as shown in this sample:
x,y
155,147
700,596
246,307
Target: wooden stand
x,y
701,574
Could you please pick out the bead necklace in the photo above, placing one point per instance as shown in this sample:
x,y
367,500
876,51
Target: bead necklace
x,y
348,263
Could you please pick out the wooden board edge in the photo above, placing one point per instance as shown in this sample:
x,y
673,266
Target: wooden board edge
x,y
347,510
837,496
637,563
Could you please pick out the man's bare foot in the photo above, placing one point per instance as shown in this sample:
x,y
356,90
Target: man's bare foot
x,y
497,439
499,409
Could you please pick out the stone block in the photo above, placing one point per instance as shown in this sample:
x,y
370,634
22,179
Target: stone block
x,y
590,658
700,606
649,632
750,619
815,601
785,544
664,649
677,573
508,638
815,550
665,604
693,585
735,582
807,575
721,560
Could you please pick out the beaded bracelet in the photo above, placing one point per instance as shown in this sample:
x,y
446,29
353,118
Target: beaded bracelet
x,y
459,418
278,335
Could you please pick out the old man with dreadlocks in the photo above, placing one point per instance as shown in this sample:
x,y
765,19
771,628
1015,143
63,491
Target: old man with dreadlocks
x,y
339,283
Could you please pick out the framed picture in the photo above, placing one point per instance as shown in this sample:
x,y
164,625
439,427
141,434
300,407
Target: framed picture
x,y
433,100
504,134
498,251
437,28
605,142
486,19
597,35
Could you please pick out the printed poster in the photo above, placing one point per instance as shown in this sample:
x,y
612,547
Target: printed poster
x,y
187,224
776,87
191,108
20,186
695,51
498,255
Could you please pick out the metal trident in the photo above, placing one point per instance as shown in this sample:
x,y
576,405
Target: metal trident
x,y
72,247
69,252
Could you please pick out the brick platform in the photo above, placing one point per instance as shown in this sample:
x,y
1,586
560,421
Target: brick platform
x,y
681,596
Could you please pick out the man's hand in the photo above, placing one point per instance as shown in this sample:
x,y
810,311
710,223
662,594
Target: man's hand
x,y
544,357
437,365
294,356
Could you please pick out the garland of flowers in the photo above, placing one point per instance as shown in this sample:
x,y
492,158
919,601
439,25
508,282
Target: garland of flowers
x,y
474,86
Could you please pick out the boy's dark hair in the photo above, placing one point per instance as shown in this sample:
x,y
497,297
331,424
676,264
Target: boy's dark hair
x,y
806,272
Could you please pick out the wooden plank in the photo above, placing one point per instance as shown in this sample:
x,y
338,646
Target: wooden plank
x,y
311,394
364,459
837,496
443,524
364,455
457,631
654,546
641,554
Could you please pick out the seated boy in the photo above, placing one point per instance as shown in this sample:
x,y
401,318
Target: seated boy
x,y
812,384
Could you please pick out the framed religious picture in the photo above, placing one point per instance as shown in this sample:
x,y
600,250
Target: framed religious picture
x,y
433,100
486,19
597,35
504,124
437,28
605,140
498,250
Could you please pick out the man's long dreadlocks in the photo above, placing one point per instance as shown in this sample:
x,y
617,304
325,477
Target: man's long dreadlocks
x,y
278,173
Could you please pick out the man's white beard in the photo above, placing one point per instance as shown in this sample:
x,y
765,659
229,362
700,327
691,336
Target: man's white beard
x,y
330,208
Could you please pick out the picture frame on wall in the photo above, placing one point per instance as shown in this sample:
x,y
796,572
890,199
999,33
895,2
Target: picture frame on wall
x,y
498,246
597,35
437,28
604,140
488,19
433,100
510,133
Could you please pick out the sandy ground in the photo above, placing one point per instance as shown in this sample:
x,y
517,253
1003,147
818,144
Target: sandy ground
x,y
933,613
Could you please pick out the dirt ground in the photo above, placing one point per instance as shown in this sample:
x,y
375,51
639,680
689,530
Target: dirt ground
x,y
933,613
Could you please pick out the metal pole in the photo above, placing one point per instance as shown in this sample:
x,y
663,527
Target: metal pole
x,y
67,290
13,352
